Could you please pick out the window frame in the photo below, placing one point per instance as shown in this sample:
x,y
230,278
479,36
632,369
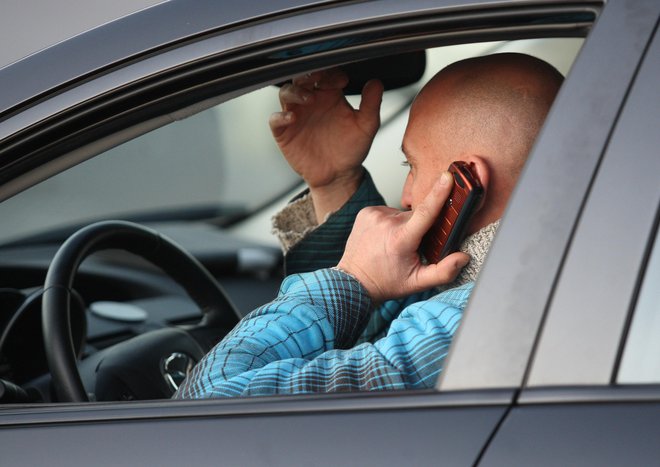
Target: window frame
x,y
118,80
581,339
558,176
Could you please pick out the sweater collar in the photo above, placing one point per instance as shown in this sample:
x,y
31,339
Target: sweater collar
x,y
477,246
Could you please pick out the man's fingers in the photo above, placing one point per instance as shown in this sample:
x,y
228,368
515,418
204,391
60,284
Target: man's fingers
x,y
308,79
291,94
279,121
441,273
333,78
425,214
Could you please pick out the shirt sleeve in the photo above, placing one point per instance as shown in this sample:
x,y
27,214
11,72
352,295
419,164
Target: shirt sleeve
x,y
301,343
309,246
382,317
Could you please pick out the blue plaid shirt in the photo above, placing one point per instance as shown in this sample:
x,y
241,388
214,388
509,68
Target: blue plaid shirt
x,y
322,332
303,342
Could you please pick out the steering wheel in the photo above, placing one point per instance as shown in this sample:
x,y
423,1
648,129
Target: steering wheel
x,y
217,309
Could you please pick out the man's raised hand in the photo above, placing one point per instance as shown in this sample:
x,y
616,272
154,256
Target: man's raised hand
x,y
324,139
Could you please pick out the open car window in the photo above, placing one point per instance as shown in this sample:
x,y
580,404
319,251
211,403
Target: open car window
x,y
221,168
222,164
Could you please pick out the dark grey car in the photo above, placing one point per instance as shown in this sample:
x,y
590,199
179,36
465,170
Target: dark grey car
x,y
556,361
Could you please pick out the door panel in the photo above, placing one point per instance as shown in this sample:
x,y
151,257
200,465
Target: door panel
x,y
622,434
424,436
502,321
598,286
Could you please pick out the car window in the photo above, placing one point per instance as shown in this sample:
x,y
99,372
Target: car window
x,y
208,162
223,161
217,163
641,355
385,157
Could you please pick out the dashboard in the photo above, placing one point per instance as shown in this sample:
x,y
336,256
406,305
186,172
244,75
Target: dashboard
x,y
119,296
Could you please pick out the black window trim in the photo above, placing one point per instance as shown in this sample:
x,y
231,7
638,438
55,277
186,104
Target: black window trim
x,y
94,107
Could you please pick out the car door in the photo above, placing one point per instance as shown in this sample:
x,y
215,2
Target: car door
x,y
488,362
592,391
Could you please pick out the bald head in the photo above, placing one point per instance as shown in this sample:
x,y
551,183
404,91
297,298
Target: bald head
x,y
490,107
495,103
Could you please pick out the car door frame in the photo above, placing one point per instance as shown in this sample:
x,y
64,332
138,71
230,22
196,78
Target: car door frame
x,y
417,420
573,409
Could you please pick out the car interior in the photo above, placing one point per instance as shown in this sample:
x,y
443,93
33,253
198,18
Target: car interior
x,y
143,230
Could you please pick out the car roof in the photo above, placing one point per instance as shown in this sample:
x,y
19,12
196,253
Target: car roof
x,y
72,50
33,25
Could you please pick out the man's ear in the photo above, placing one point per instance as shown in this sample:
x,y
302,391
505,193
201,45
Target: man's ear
x,y
483,173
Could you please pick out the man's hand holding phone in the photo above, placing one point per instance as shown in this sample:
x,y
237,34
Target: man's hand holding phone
x,y
382,250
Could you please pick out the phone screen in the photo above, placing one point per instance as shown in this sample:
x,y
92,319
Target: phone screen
x,y
448,231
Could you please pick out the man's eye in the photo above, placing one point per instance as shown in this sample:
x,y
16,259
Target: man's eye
x,y
405,163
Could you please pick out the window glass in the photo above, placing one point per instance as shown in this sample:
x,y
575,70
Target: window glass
x,y
207,161
641,356
222,160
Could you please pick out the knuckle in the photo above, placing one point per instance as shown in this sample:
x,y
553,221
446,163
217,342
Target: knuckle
x,y
278,119
374,215
292,90
301,79
447,271
367,213
423,211
362,215
285,89
445,275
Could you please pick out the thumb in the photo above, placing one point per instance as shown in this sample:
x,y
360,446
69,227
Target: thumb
x,y
369,111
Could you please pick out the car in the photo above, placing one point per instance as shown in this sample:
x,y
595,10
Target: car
x,y
143,143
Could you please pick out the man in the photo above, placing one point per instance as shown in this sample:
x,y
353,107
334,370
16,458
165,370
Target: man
x,y
382,318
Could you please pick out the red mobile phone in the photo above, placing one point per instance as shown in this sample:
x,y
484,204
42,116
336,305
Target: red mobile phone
x,y
448,231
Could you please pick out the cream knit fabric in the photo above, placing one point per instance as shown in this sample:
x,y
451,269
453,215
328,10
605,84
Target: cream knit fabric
x,y
294,222
477,246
